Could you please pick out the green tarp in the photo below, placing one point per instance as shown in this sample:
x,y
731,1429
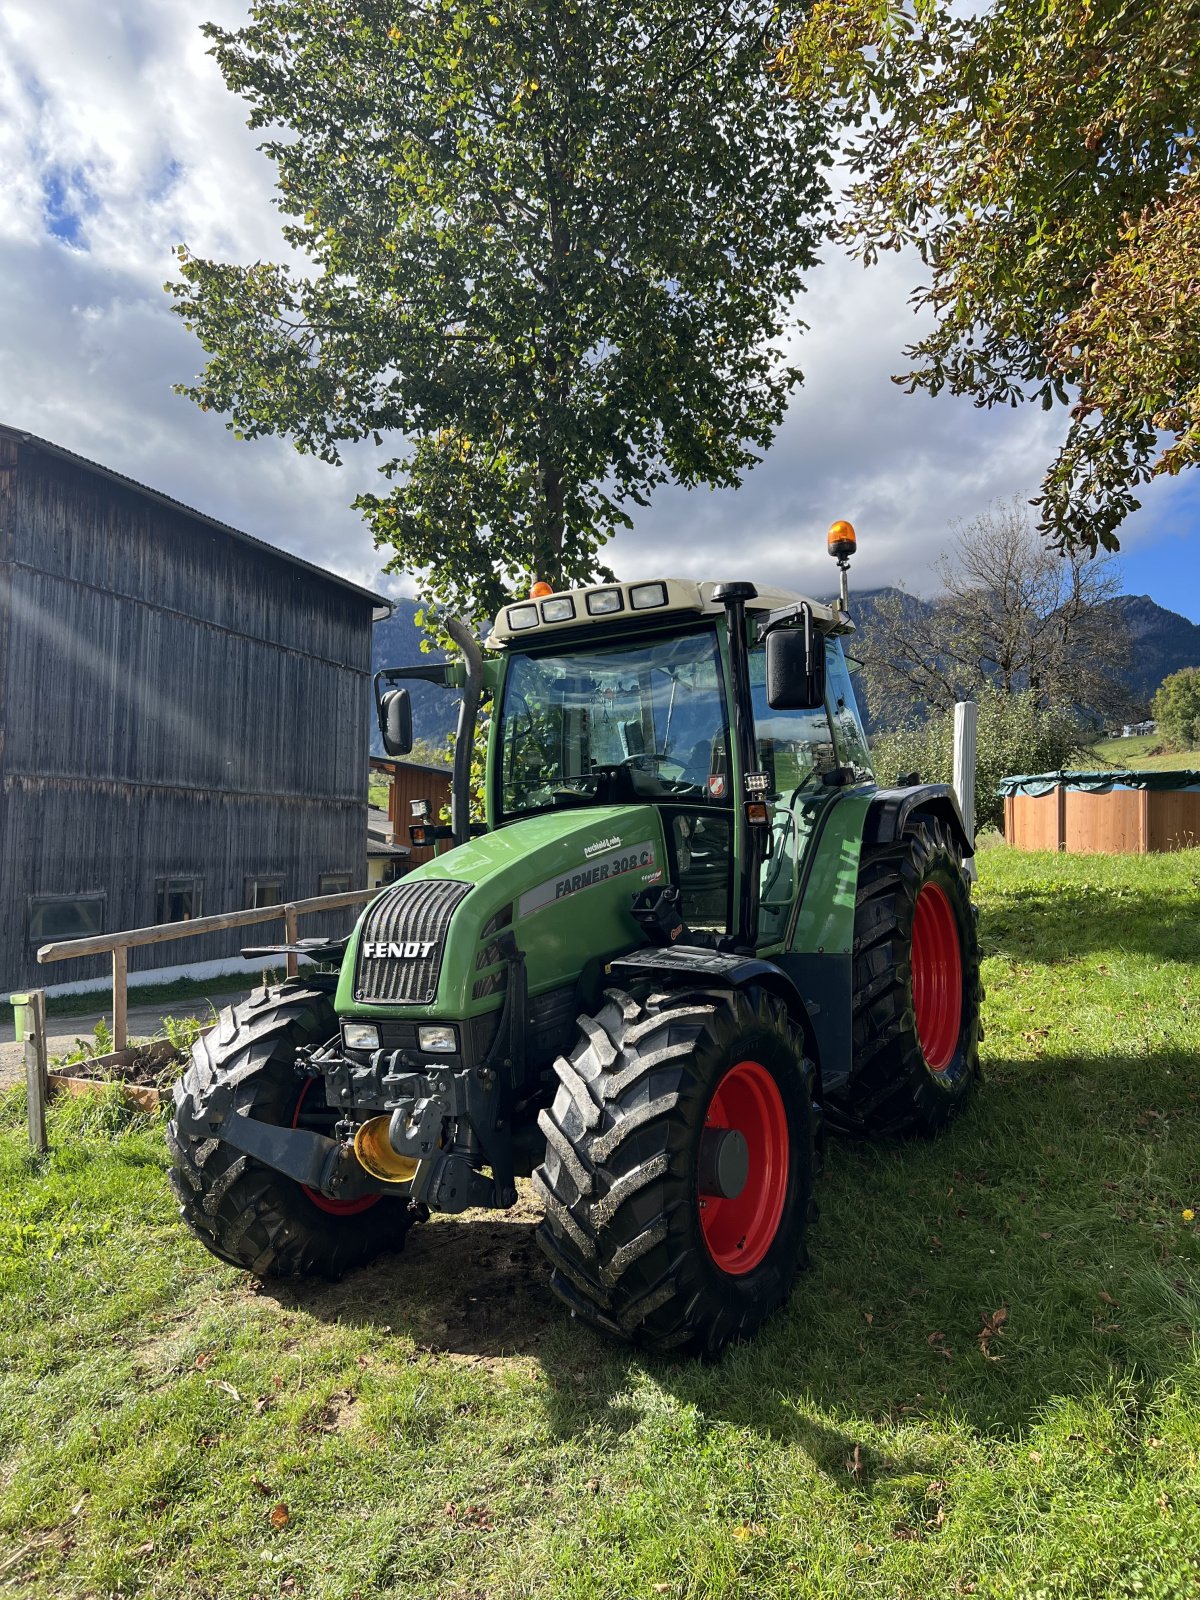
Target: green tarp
x,y
1037,783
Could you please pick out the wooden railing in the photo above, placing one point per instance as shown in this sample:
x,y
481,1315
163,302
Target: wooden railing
x,y
119,944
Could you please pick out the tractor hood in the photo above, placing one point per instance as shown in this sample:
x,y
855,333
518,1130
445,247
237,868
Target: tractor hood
x,y
561,883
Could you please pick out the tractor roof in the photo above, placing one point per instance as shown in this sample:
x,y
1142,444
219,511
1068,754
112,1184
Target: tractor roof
x,y
603,605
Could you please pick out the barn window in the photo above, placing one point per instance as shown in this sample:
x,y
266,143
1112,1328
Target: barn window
x,y
334,883
65,916
179,899
263,892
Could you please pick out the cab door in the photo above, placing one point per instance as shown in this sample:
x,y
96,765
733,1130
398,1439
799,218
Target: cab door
x,y
796,749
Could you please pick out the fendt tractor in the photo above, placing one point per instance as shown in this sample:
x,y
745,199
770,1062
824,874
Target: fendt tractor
x,y
693,935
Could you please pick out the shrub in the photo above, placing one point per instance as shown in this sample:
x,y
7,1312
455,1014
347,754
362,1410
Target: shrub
x,y
1015,735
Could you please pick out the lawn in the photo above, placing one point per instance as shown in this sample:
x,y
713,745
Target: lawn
x,y
987,1384
1143,753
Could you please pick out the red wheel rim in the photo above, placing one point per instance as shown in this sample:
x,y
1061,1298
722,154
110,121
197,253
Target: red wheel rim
x,y
739,1232
936,977
335,1208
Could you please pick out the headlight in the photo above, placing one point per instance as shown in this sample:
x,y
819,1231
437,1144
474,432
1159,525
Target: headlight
x,y
360,1036
644,595
560,610
440,1039
522,617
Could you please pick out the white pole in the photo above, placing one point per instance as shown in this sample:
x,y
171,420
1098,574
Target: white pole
x,y
966,718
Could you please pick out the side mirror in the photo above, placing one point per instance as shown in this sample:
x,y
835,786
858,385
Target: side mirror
x,y
796,667
395,722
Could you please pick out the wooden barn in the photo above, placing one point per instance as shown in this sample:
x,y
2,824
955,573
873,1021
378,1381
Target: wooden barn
x,y
184,718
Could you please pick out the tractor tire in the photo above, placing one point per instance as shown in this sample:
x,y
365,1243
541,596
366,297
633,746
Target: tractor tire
x,y
916,989
645,1229
248,1214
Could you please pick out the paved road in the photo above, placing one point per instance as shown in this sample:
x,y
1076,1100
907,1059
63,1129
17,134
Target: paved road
x,y
61,1032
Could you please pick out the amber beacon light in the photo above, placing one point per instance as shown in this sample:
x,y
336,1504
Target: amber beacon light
x,y
842,542
540,590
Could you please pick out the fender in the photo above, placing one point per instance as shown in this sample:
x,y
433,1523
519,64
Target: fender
x,y
891,809
684,966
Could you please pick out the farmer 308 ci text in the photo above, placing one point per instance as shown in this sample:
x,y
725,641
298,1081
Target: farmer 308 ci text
x,y
693,934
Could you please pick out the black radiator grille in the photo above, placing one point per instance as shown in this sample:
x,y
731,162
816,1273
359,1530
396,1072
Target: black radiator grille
x,y
412,914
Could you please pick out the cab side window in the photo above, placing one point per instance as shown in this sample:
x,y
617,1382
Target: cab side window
x,y
848,736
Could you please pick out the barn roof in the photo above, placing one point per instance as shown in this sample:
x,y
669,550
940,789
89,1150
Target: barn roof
x,y
381,607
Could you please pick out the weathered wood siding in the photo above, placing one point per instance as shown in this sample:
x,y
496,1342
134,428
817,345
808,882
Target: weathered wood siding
x,y
173,702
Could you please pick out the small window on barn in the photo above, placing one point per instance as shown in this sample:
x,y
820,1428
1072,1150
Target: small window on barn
x,y
179,899
334,883
263,892
65,916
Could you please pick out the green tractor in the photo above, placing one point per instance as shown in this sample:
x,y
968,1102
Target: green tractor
x,y
693,935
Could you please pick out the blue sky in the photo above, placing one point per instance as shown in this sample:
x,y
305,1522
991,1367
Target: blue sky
x,y
118,140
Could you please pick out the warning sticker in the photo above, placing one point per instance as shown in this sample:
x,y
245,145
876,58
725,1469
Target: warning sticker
x,y
600,869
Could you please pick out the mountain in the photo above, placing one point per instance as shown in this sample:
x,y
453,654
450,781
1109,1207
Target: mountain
x,y
1161,642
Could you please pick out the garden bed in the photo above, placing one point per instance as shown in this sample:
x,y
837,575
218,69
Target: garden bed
x,y
145,1072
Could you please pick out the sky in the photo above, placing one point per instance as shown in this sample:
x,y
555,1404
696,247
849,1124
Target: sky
x,y
119,140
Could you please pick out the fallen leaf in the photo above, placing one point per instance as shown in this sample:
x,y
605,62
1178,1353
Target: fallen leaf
x,y
1108,1299
1045,1236
902,1531
868,1317
280,1516
854,1462
220,1383
263,1488
203,1360
145,1549
992,1327
264,1402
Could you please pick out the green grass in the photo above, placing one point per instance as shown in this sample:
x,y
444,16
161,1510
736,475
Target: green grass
x,y
1141,754
154,994
436,1427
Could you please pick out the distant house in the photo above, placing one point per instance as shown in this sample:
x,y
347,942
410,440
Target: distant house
x,y
409,781
387,859
184,712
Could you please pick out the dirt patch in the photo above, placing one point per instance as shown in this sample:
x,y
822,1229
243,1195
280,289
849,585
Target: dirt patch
x,y
473,1287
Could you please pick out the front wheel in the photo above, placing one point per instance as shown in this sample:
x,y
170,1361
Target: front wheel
x,y
678,1169
249,1214
916,988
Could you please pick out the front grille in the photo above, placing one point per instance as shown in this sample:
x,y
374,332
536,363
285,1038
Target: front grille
x,y
411,914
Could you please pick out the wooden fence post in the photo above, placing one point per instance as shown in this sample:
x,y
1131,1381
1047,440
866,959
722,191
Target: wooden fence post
x,y
120,969
29,1011
291,934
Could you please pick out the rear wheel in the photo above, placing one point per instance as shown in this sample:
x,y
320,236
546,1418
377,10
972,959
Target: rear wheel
x,y
916,988
679,1160
244,1212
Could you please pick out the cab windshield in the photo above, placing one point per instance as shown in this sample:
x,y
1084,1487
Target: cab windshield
x,y
615,723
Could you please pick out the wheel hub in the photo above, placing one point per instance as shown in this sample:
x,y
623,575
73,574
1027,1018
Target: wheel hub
x,y
724,1163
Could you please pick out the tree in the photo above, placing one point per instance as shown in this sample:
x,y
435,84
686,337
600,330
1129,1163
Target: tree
x,y
1042,159
1014,734
1176,708
554,245
1011,616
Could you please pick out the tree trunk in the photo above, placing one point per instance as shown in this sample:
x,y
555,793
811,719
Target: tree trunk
x,y
548,537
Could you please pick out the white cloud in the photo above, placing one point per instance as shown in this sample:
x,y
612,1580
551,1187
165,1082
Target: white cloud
x,y
118,139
